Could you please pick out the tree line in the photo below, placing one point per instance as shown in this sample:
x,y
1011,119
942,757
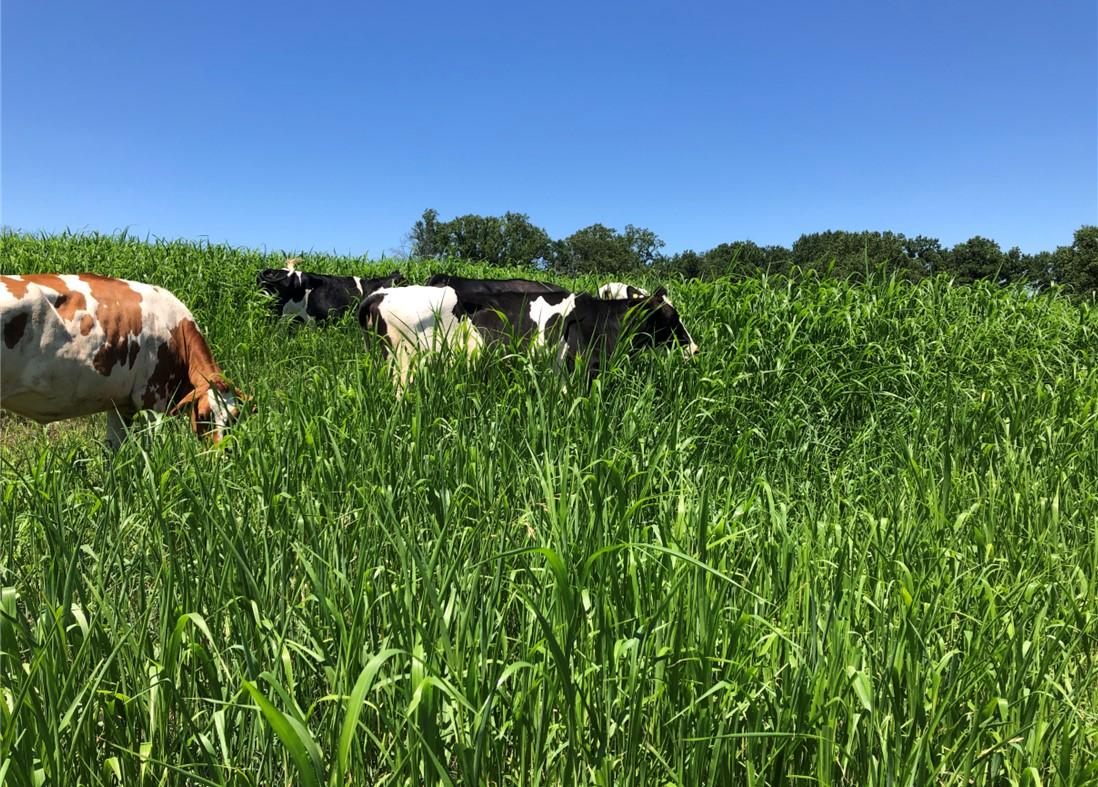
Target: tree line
x,y
512,239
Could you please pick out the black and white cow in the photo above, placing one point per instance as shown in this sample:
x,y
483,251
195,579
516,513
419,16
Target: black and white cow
x,y
595,327
518,316
475,288
428,319
509,309
417,320
616,290
316,297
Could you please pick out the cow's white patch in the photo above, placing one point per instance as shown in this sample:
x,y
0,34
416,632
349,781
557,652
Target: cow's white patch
x,y
616,291
421,320
224,408
541,312
298,308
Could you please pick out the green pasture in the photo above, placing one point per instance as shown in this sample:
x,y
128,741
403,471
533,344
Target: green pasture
x,y
854,541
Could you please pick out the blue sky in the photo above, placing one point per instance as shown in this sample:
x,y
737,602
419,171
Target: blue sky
x,y
332,126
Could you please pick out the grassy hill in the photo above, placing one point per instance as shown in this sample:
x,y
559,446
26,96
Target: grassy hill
x,y
855,540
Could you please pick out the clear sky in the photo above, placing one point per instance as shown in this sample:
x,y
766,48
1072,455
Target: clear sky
x,y
332,126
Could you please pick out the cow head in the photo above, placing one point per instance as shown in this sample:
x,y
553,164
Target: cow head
x,y
283,283
213,408
659,324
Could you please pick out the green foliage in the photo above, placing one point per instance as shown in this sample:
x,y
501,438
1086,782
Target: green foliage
x,y
734,260
498,241
926,254
513,240
854,255
976,259
1076,266
600,249
852,542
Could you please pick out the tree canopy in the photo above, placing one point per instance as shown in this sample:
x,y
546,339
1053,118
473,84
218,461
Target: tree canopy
x,y
513,240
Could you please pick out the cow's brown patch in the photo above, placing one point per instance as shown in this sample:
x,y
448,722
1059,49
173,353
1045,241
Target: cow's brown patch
x,y
118,311
53,281
16,285
110,354
87,322
202,369
14,328
70,303
185,371
169,378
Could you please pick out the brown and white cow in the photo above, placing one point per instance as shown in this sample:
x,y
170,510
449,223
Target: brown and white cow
x,y
74,345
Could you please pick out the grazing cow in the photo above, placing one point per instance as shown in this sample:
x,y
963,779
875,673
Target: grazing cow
x,y
415,320
316,297
503,309
513,316
412,319
594,328
76,345
616,290
476,288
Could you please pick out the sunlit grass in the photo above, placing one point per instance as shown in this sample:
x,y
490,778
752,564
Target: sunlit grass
x,y
854,541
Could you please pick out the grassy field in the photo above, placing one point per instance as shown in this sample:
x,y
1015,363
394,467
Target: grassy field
x,y
855,541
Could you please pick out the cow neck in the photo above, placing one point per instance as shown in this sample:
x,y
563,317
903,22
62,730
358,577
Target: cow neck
x,y
202,369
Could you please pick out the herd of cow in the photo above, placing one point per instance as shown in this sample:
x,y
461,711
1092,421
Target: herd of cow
x,y
74,345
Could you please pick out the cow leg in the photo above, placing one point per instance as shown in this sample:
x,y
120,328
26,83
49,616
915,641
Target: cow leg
x,y
117,426
558,361
402,369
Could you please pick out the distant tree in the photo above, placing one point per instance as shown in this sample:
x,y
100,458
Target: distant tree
x,y
1040,268
508,240
644,245
926,254
1076,266
739,259
977,258
602,249
523,242
688,264
853,254
424,235
779,259
511,239
1015,265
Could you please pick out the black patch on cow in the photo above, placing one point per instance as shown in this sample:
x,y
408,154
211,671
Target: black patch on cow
x,y
370,320
482,288
553,325
14,329
505,316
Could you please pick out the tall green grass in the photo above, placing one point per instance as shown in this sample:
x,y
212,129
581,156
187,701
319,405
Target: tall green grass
x,y
855,541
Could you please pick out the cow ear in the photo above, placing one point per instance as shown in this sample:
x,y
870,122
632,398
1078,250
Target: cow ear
x,y
661,292
291,263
